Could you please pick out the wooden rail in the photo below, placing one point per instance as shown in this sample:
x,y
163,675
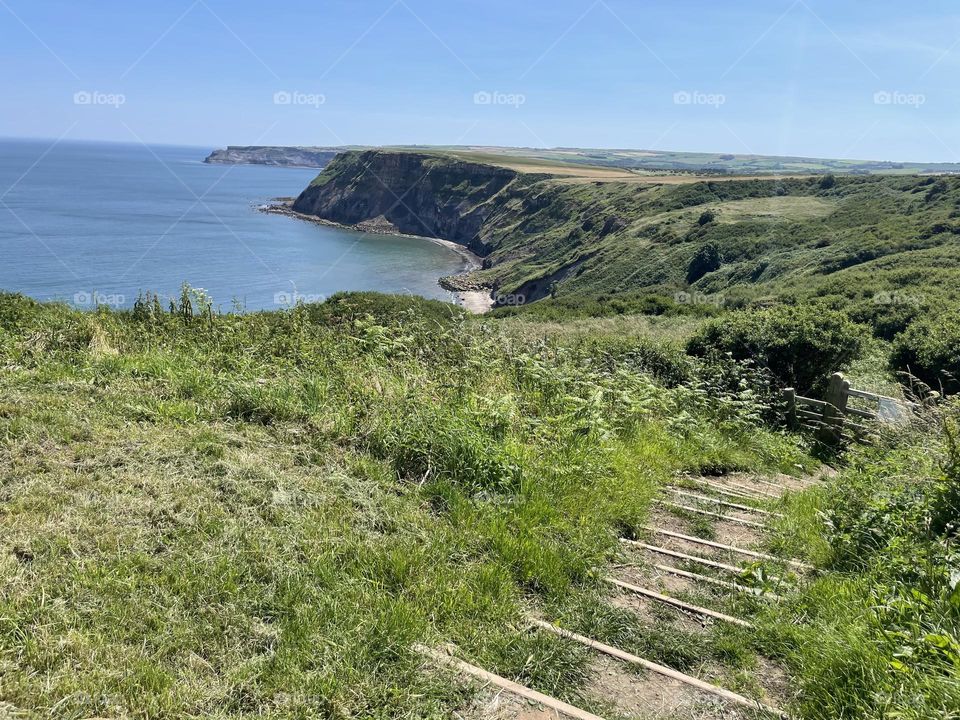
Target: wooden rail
x,y
830,417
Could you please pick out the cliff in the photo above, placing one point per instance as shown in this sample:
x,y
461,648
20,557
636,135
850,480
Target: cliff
x,y
315,157
409,192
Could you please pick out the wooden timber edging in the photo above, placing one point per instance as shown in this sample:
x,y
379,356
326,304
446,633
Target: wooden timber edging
x,y
729,548
682,605
718,516
758,592
442,658
657,668
724,503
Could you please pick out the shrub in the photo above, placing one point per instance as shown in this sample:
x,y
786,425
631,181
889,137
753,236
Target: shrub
x,y
705,260
930,350
799,346
706,217
346,306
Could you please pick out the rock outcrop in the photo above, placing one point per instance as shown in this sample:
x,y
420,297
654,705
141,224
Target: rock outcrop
x,y
409,192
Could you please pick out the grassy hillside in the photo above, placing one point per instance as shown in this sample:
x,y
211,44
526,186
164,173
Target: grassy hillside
x,y
886,250
239,516
261,515
847,239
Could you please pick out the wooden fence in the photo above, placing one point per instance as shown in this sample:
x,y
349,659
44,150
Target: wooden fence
x,y
831,417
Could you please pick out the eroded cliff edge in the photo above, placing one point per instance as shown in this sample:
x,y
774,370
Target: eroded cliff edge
x,y
411,193
512,220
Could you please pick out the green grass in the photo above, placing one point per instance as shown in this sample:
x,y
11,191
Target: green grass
x,y
238,516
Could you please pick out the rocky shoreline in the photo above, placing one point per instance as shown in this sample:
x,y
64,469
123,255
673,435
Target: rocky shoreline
x,y
473,296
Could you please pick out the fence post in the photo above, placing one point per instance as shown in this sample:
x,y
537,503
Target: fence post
x,y
835,409
790,401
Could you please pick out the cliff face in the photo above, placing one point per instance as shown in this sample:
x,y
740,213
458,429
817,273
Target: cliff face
x,y
276,156
408,192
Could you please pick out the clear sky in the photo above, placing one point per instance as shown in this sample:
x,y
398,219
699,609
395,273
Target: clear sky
x,y
835,78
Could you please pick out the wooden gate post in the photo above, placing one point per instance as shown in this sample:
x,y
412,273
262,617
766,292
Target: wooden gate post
x,y
834,410
790,409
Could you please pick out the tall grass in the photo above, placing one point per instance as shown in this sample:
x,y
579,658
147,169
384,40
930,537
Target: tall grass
x,y
232,516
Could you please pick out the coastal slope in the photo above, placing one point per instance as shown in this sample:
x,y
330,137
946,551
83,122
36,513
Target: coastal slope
x,y
561,234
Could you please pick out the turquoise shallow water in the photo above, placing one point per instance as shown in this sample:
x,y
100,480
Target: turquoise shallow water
x,y
90,220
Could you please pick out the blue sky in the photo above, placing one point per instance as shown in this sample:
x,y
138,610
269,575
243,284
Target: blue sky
x,y
791,77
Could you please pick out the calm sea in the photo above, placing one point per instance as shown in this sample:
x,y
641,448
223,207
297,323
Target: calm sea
x,y
88,222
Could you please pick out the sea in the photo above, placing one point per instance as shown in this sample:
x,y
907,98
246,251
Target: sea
x,y
100,223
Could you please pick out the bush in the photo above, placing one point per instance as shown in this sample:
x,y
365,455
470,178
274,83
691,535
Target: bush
x,y
344,307
705,260
799,346
930,350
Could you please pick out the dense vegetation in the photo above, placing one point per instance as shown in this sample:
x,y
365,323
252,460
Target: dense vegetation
x,y
236,516
248,515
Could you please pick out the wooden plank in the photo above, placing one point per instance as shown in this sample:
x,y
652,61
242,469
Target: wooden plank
x,y
508,685
666,599
684,556
724,503
762,494
698,511
861,413
811,402
809,415
659,669
719,583
730,548
705,486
